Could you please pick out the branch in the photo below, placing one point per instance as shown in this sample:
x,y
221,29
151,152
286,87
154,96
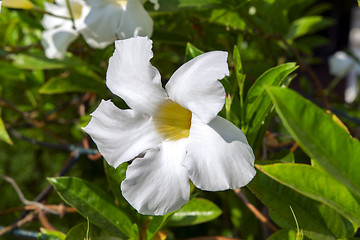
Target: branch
x,y
255,211
23,199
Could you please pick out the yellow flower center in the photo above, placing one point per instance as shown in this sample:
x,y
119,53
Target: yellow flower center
x,y
76,10
173,121
121,3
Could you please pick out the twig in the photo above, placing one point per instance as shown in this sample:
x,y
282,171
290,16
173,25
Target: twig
x,y
45,222
63,147
28,218
61,209
255,211
23,199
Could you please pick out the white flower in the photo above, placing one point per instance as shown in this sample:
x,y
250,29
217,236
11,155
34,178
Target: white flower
x,y
59,32
341,65
109,20
176,129
101,22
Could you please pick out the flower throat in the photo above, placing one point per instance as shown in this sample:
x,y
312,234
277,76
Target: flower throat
x,y
173,121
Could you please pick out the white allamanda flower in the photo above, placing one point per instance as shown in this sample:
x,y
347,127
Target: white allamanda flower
x,y
59,32
100,22
109,20
176,129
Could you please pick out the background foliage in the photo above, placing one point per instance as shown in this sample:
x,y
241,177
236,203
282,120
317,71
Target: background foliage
x,y
307,158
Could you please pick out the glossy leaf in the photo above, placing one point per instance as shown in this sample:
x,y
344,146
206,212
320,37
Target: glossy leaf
x,y
317,220
77,81
50,235
196,211
307,25
317,185
319,136
114,178
38,61
156,223
283,234
80,230
92,202
191,51
173,5
4,136
257,103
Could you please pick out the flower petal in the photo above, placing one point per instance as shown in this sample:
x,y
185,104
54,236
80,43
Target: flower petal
x,y
218,155
135,21
49,21
121,135
195,84
100,25
158,184
131,76
56,41
340,64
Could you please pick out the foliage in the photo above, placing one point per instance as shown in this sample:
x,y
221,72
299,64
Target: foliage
x,y
310,192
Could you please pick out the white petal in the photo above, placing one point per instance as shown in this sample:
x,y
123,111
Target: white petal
x,y
158,184
56,41
100,25
340,63
218,155
121,135
156,4
135,21
195,84
352,86
49,21
131,76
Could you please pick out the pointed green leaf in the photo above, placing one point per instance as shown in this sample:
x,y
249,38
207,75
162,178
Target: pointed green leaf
x,y
191,51
4,136
92,202
38,61
79,80
283,234
257,103
50,235
114,178
173,5
196,211
317,185
317,220
79,232
307,25
319,136
156,223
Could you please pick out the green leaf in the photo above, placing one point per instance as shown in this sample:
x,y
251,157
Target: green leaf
x,y
319,136
114,178
173,5
79,80
317,220
191,51
92,202
4,136
50,235
257,103
283,234
196,211
79,231
38,61
317,185
307,25
156,223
